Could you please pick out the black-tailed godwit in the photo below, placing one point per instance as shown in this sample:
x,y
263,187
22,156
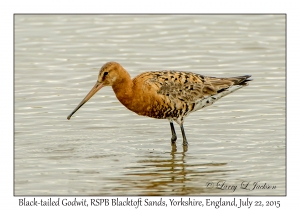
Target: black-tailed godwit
x,y
170,95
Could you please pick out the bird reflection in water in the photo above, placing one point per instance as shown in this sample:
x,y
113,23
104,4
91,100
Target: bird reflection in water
x,y
168,173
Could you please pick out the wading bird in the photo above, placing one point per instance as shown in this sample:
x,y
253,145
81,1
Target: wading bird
x,y
170,95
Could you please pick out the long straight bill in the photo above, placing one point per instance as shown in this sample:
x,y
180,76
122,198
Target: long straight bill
x,y
94,90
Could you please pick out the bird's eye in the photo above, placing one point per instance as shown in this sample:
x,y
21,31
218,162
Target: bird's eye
x,y
105,73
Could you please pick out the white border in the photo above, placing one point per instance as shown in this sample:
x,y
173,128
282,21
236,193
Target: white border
x,y
8,8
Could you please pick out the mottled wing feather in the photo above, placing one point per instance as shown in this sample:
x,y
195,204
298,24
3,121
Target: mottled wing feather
x,y
176,94
186,86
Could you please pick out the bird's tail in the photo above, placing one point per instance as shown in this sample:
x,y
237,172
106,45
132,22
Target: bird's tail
x,y
241,80
224,86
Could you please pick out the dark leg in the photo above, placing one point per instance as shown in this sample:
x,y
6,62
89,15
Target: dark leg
x,y
174,137
185,143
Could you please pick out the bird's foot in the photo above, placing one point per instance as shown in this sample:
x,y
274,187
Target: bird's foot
x,y
185,143
174,138
185,148
174,147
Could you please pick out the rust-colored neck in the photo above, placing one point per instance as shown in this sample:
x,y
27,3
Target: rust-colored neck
x,y
123,89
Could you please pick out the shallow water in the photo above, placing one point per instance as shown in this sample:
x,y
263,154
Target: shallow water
x,y
107,150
